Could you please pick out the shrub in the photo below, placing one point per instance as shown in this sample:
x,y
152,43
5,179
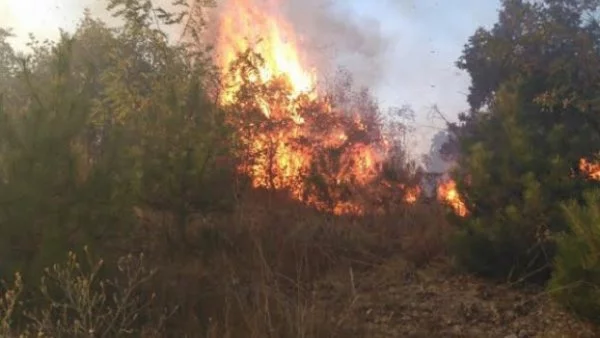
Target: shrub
x,y
74,300
511,194
576,278
532,118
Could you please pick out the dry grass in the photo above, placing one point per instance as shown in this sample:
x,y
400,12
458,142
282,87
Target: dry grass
x,y
73,299
253,273
257,272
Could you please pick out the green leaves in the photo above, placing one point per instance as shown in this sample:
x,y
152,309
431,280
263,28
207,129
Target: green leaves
x,y
98,123
533,83
577,264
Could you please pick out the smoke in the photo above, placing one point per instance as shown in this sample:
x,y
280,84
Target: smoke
x,y
337,36
330,34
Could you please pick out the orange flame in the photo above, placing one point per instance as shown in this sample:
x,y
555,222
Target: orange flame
x,y
412,194
298,141
448,194
592,170
244,26
300,128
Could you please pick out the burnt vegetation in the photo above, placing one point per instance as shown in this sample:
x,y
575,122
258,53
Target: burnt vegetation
x,y
140,195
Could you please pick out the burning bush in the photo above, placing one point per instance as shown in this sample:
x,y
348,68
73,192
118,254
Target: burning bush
x,y
325,146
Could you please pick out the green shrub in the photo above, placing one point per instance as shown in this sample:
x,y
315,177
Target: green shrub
x,y
511,195
531,120
576,278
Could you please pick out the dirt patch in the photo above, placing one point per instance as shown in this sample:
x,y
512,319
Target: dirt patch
x,y
396,300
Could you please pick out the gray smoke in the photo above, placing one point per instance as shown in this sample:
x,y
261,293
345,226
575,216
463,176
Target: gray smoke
x,y
337,36
332,35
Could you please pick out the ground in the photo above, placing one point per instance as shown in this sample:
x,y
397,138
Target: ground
x,y
396,300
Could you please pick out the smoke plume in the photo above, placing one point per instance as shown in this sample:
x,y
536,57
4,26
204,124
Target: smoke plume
x,y
340,37
330,34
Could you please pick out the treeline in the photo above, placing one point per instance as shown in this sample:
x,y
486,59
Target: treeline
x,y
534,119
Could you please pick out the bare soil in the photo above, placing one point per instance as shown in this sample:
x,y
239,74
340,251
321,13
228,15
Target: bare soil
x,y
397,300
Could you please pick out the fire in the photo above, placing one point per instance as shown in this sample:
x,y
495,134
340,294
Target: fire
x,y
299,141
412,194
592,170
243,25
447,193
276,162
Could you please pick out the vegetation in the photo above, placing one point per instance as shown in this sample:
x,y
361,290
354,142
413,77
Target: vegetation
x,y
127,152
130,152
533,118
575,280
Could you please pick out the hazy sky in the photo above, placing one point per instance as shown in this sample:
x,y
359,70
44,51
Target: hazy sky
x,y
423,40
429,36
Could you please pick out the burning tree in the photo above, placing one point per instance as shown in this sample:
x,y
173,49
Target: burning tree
x,y
325,146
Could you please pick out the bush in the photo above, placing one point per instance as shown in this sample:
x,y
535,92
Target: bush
x,y
74,300
532,119
576,278
253,273
511,194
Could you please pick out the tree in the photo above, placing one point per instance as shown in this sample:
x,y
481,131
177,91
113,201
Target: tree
x,y
7,56
533,117
98,123
51,193
577,268
8,65
435,161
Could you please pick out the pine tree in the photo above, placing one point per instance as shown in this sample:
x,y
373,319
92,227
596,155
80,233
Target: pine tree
x,y
531,121
576,279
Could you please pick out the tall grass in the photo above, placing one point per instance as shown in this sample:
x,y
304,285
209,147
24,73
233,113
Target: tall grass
x,y
253,273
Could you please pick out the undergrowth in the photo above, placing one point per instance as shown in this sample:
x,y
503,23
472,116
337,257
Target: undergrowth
x,y
253,273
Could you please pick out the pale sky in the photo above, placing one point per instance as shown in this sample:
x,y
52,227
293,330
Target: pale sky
x,y
429,36
426,38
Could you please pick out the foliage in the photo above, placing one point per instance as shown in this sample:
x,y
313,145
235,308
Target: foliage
x,y
532,119
325,147
88,136
8,304
74,300
7,58
256,272
51,193
576,279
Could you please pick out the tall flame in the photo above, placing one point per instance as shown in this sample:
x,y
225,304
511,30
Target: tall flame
x,y
243,26
300,135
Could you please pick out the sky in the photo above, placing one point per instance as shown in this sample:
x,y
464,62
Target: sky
x,y
423,40
428,38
